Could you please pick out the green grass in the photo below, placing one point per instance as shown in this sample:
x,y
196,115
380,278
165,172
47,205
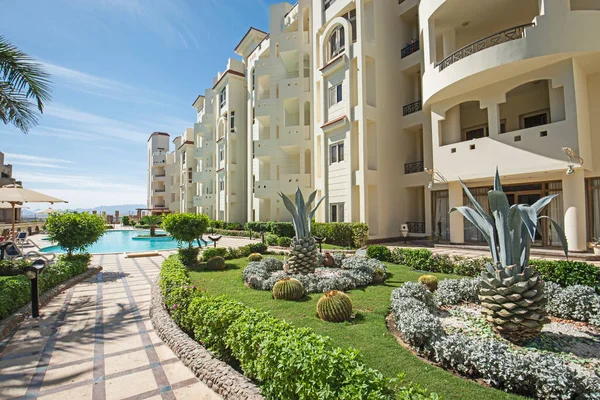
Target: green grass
x,y
367,333
327,246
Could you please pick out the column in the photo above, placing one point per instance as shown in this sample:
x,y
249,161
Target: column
x,y
573,193
457,222
493,112
449,41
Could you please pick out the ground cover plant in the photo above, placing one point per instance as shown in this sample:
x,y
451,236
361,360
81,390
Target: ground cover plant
x,y
367,332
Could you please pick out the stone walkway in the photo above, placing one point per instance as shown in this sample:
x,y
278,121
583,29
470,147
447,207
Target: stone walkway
x,y
96,341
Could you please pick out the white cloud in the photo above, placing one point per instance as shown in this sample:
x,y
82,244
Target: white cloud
x,y
79,181
37,165
27,157
92,198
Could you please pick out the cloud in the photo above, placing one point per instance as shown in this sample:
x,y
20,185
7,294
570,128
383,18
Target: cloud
x,y
106,183
27,157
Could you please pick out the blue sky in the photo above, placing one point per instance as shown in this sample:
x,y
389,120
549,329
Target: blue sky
x,y
121,70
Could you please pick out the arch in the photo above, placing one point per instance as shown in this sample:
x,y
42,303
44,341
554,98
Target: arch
x,y
307,113
464,121
339,21
306,65
221,127
307,162
306,20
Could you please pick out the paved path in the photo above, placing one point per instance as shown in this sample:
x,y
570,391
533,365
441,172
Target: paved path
x,y
96,341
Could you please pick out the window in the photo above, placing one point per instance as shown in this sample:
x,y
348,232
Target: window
x,y
336,152
336,213
503,126
183,158
232,122
327,3
222,184
253,79
337,42
351,17
221,154
335,94
534,119
476,132
223,97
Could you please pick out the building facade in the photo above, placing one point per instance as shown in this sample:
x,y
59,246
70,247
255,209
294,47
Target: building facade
x,y
6,178
158,149
385,106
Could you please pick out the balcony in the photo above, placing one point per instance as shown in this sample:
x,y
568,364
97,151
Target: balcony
x,y
410,49
290,18
413,167
416,227
160,178
266,189
294,136
263,148
204,200
158,192
507,35
290,182
206,175
412,108
265,107
159,158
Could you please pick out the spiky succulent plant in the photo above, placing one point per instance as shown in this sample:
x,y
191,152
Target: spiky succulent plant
x,y
304,254
511,291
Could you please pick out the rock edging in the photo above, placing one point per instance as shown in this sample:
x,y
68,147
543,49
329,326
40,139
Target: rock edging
x,y
11,322
218,375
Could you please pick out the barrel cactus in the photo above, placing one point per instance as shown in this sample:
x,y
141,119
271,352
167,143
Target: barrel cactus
x,y
430,282
216,264
512,293
255,257
334,306
288,289
304,253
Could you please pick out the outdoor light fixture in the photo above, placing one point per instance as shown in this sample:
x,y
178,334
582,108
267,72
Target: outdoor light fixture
x,y
32,272
573,158
435,177
320,241
404,227
215,239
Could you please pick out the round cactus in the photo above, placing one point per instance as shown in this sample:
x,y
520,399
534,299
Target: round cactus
x,y
334,306
216,264
255,257
288,289
430,282
379,275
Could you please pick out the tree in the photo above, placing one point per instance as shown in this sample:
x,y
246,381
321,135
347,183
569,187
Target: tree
x,y
185,228
24,86
74,231
153,221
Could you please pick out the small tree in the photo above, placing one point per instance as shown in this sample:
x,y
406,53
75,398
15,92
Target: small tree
x,y
74,231
185,228
153,221
125,220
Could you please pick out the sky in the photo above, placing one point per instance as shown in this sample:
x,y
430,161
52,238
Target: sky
x,y
121,69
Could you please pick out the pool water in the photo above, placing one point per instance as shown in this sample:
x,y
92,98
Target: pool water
x,y
115,241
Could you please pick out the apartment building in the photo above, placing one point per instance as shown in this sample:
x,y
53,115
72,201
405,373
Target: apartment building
x,y
384,105
157,149
6,178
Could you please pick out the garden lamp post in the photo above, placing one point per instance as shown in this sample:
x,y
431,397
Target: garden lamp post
x,y
32,272
320,241
404,231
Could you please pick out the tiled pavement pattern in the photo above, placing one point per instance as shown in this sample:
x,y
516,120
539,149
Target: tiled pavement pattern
x,y
96,341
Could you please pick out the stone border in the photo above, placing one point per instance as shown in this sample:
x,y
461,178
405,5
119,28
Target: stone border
x,y
218,375
11,322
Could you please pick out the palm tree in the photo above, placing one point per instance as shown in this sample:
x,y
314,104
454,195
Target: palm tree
x,y
153,221
24,86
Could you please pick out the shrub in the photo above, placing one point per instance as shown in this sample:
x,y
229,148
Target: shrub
x,y
256,248
125,220
216,264
269,350
257,226
380,253
233,253
455,291
255,257
284,241
189,255
577,302
12,267
211,252
345,234
15,292
185,228
271,239
74,231
285,229
430,282
567,273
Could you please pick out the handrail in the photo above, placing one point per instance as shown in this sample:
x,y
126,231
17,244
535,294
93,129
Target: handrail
x,y
410,49
514,33
412,108
413,167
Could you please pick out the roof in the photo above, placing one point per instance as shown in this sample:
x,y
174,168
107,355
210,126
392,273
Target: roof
x,y
158,134
229,71
197,98
252,29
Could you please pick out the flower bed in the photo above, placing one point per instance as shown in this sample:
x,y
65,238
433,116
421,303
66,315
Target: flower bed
x,y
286,362
498,363
348,273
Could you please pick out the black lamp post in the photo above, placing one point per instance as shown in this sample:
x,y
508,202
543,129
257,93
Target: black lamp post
x,y
32,273
215,239
320,241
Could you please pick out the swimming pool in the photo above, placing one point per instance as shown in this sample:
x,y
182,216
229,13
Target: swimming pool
x,y
116,241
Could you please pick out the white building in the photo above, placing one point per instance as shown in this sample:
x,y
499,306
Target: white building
x,y
158,147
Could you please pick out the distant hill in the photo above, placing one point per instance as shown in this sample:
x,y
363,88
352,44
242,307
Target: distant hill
x,y
124,209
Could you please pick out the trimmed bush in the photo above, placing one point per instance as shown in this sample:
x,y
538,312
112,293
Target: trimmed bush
x,y
216,264
430,282
74,231
568,273
256,248
284,242
189,255
15,292
255,257
284,229
257,226
12,267
380,253
334,306
186,228
271,239
267,349
288,289
211,252
346,234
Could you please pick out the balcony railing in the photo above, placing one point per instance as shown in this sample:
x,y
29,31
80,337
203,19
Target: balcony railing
x,y
413,167
409,49
327,3
416,227
507,35
412,108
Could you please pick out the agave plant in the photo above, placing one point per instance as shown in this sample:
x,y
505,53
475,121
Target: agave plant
x,y
303,257
512,292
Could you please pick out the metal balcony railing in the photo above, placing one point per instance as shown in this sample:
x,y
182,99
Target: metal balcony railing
x,y
412,108
413,167
409,49
416,227
507,35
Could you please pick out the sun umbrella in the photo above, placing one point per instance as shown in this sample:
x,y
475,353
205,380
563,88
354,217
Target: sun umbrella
x,y
4,206
47,211
17,195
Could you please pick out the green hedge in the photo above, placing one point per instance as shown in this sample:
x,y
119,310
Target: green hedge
x,y
230,226
286,362
564,273
15,291
380,253
234,252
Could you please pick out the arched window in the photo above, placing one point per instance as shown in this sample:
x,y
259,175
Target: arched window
x,y
337,42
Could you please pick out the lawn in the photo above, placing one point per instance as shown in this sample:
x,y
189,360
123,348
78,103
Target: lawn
x,y
367,332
